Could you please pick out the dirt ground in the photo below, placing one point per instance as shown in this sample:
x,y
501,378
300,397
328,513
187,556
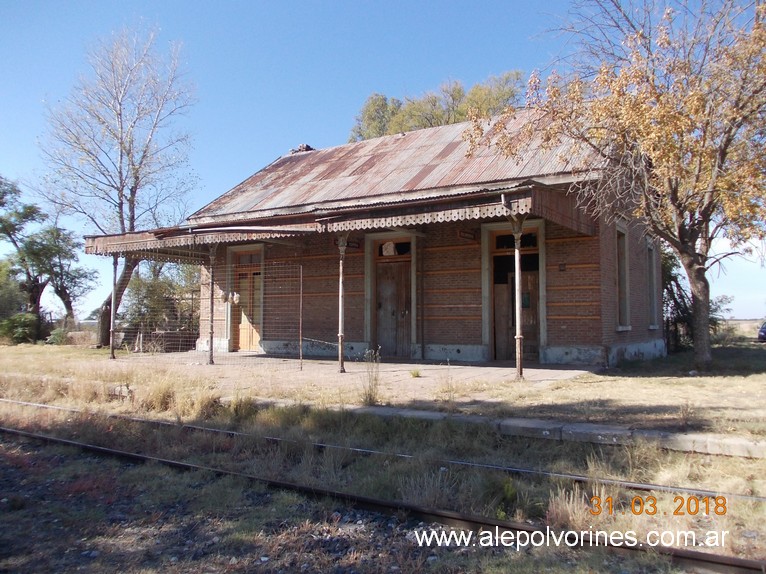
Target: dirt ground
x,y
666,394
59,514
63,511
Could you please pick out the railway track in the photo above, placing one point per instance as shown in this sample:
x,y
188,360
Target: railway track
x,y
699,561
321,446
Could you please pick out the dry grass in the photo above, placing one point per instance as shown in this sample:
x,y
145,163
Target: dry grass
x,y
658,395
448,391
743,329
569,509
427,479
83,377
429,487
371,387
195,522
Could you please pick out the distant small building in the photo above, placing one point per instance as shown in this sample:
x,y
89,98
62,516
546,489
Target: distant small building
x,y
428,238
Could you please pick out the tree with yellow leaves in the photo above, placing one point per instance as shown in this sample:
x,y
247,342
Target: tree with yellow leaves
x,y
667,103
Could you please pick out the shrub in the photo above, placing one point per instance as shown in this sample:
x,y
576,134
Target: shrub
x,y
58,337
20,328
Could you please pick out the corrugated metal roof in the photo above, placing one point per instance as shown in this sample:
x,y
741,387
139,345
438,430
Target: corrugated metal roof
x,y
174,243
389,169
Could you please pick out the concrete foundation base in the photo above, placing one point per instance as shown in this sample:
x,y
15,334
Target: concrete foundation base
x,y
572,355
636,352
220,344
608,356
468,353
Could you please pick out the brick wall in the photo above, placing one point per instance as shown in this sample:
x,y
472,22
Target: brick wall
x,y
573,281
638,288
451,284
320,257
581,289
219,309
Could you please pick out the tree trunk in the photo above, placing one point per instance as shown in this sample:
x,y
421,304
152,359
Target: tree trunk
x,y
105,314
35,288
66,299
700,288
104,323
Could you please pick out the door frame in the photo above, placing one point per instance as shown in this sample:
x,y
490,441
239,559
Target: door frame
x,y
487,304
247,301
232,253
393,335
370,282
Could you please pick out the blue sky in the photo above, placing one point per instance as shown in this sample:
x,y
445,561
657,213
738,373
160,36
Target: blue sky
x,y
269,76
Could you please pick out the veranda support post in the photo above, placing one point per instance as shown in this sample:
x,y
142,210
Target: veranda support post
x,y
518,307
213,249
516,218
342,243
300,315
113,315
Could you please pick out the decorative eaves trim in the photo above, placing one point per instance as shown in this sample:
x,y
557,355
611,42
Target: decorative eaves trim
x,y
146,241
517,206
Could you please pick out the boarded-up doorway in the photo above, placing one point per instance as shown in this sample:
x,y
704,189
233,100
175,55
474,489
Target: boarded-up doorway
x,y
393,298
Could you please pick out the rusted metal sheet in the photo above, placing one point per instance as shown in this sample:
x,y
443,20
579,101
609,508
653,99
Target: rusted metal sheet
x,y
419,177
404,166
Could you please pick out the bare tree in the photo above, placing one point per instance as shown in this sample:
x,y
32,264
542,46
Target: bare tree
x,y
116,157
666,114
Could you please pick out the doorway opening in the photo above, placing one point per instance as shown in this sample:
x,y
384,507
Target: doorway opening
x,y
503,295
247,307
393,297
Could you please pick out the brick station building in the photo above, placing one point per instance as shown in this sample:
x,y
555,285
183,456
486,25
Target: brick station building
x,y
406,244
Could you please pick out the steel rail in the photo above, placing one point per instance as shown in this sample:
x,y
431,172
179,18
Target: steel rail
x,y
709,562
579,478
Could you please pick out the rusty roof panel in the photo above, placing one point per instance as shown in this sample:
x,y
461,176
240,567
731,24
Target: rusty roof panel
x,y
401,166
418,178
339,187
448,151
438,172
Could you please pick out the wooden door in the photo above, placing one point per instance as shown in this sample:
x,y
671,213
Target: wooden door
x,y
504,320
250,290
393,302
530,313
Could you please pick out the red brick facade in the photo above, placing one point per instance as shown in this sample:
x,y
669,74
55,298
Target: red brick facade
x,y
451,292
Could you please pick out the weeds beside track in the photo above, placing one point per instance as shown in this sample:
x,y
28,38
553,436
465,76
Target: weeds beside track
x,y
682,557
319,446
232,446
